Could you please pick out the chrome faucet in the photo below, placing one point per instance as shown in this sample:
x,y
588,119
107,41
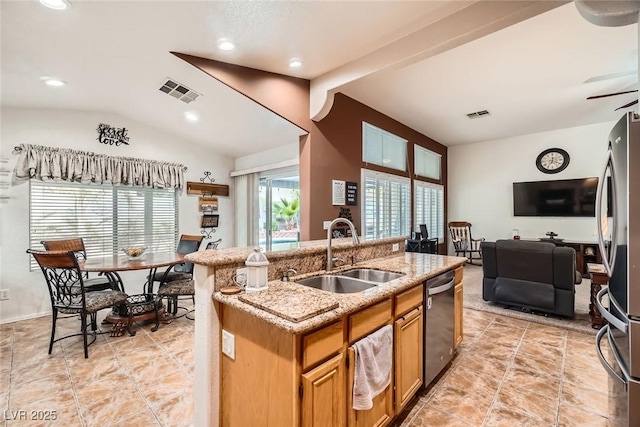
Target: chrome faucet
x,y
354,235
285,275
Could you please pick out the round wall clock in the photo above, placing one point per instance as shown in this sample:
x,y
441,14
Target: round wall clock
x,y
552,160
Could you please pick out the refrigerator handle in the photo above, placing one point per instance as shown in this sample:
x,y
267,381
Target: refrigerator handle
x,y
605,364
608,164
613,320
614,198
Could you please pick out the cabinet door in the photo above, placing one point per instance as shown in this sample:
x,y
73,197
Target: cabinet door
x,y
382,411
457,326
408,356
323,395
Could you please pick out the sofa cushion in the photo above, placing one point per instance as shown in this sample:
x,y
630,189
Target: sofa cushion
x,y
525,293
527,261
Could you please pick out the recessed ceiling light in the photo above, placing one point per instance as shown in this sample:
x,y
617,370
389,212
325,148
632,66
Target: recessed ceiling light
x,y
53,82
191,116
55,4
295,63
225,44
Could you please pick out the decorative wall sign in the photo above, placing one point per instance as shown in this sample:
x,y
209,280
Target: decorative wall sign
x,y
209,221
112,136
352,193
208,204
338,192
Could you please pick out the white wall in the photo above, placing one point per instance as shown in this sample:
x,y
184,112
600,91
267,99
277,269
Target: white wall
x,y
481,176
77,130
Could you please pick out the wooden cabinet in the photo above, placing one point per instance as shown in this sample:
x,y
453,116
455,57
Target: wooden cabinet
x,y
380,414
458,309
323,395
275,378
409,348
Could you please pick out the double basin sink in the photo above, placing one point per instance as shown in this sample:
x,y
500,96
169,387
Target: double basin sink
x,y
350,281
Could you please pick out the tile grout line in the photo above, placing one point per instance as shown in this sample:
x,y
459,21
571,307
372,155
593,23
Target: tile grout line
x,y
493,405
135,383
76,399
564,357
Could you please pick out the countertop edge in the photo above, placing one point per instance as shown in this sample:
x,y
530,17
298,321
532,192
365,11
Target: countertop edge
x,y
348,303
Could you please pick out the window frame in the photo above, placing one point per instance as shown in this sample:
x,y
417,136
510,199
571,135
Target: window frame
x,y
389,147
102,242
440,232
417,155
405,214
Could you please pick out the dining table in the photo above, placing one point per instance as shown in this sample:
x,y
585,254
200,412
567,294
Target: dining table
x,y
138,307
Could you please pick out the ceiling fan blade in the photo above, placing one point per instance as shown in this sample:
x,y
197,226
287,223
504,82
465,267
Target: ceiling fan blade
x,y
635,101
611,94
611,76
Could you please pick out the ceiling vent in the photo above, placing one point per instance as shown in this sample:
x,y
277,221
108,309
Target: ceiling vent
x,y
478,114
179,91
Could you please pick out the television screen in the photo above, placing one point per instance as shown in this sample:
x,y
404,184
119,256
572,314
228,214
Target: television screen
x,y
564,197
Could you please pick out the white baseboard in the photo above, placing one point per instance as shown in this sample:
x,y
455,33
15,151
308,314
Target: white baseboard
x,y
25,317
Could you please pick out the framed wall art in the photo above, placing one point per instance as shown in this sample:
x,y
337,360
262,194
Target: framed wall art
x,y
209,221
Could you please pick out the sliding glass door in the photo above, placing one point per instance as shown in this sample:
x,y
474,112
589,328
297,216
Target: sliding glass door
x,y
279,205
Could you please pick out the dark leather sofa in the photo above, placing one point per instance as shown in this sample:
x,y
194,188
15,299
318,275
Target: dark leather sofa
x,y
533,275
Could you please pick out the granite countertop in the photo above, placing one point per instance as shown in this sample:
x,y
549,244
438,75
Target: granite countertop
x,y
298,309
214,257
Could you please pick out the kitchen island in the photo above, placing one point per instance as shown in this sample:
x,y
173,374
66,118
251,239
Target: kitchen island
x,y
288,346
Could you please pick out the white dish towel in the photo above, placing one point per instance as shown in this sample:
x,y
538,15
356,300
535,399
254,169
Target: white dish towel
x,y
372,367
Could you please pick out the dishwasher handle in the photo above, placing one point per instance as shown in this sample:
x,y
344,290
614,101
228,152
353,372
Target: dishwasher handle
x,y
442,288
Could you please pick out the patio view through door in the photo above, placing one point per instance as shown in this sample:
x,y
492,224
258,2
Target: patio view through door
x,y
279,205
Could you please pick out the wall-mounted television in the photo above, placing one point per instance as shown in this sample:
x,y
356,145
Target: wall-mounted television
x,y
562,197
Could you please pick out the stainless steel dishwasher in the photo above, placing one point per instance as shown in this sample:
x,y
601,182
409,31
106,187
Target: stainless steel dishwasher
x,y
439,321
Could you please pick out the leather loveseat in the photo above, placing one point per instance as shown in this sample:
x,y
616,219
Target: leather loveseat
x,y
533,275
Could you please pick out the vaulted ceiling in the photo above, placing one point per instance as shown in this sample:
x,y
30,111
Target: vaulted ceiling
x,y
531,76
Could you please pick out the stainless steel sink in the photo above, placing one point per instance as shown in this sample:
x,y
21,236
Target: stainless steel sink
x,y
336,284
371,275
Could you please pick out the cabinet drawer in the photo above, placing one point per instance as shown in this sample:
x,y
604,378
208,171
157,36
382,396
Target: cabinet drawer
x,y
321,344
458,275
369,319
408,300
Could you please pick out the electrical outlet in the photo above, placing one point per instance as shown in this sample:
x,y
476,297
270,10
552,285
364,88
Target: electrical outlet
x,y
395,247
4,294
325,225
229,344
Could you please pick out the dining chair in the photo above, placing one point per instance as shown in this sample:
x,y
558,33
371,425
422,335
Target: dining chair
x,y
214,244
76,245
178,280
69,296
463,242
186,245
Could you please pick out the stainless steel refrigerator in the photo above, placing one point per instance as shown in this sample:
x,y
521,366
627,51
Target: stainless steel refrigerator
x,y
619,239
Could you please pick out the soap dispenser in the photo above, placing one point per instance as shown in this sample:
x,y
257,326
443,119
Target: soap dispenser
x,y
257,271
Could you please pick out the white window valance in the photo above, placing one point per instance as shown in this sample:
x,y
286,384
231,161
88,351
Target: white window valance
x,y
62,164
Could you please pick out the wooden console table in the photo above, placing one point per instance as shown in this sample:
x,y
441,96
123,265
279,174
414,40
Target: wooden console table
x,y
599,277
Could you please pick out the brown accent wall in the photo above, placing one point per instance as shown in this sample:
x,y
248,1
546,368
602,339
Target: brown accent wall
x,y
286,96
333,150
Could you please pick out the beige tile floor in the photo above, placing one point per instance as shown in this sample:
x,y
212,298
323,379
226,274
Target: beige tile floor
x,y
509,372
514,373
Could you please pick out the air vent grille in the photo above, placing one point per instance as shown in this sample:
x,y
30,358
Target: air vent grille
x,y
478,114
179,91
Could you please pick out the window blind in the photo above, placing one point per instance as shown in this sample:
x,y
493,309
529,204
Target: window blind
x,y
426,162
107,218
383,148
387,205
429,208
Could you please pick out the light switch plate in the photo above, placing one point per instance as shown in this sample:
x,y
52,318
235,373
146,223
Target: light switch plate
x,y
395,247
229,344
325,225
